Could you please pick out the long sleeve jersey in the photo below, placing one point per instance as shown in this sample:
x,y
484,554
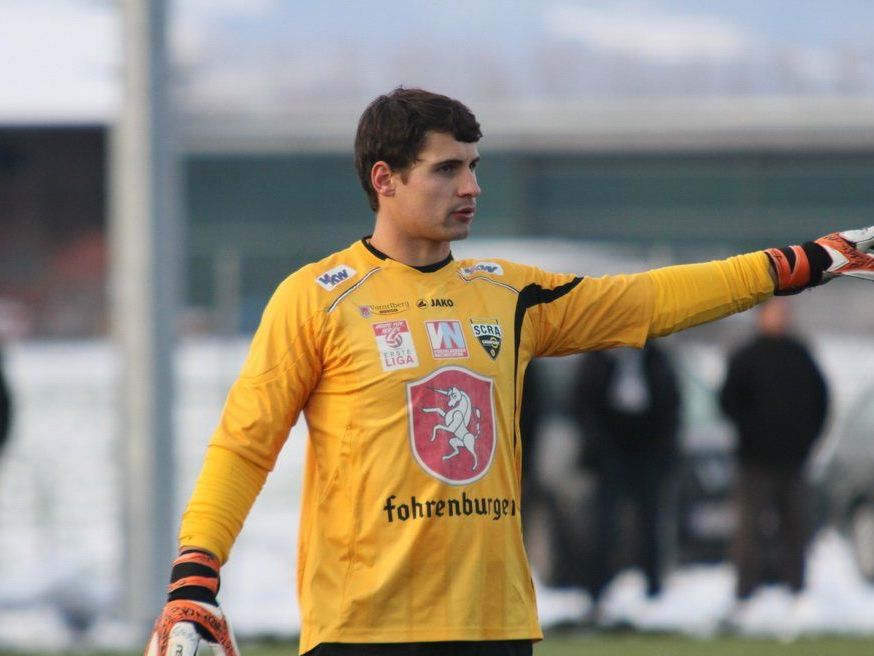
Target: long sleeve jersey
x,y
410,382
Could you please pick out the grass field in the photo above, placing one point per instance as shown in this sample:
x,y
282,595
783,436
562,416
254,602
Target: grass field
x,y
613,645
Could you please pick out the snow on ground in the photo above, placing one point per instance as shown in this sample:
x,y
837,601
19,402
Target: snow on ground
x,y
61,570
698,599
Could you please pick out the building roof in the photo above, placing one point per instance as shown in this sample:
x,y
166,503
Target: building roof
x,y
695,124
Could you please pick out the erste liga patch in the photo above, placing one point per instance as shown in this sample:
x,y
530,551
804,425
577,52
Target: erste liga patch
x,y
395,344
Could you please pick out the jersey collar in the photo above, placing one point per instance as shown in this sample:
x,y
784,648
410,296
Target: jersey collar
x,y
428,268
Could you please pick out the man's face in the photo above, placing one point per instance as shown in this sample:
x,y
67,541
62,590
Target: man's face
x,y
435,199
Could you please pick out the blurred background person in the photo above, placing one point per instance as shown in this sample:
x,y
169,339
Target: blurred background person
x,y
552,499
530,425
777,398
627,403
5,407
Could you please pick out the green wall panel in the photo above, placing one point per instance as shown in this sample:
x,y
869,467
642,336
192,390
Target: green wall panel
x,y
277,212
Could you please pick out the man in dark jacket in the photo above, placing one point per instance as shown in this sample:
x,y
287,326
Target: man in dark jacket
x,y
628,405
5,408
777,398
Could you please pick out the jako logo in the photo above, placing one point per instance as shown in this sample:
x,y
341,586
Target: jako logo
x,y
339,274
441,302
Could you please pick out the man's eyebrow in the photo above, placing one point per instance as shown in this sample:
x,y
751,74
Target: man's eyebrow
x,y
454,161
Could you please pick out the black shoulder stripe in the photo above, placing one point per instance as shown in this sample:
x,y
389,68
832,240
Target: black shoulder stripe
x,y
530,296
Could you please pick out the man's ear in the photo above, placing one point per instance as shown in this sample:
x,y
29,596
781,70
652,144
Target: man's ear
x,y
382,179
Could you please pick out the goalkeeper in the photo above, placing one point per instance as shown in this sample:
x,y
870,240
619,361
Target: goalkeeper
x,y
408,365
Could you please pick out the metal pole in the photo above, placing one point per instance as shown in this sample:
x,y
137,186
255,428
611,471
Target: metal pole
x,y
144,241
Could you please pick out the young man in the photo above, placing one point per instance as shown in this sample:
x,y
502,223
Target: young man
x,y
408,367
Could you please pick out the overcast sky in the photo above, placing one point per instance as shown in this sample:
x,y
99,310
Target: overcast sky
x,y
60,58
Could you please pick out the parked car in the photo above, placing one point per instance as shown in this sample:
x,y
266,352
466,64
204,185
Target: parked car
x,y
846,469
706,516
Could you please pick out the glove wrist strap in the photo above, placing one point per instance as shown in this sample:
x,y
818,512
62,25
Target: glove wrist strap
x,y
798,267
195,577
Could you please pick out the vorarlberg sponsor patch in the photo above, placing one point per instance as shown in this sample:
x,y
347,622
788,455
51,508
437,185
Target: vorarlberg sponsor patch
x,y
393,307
484,267
447,339
488,333
395,344
336,276
452,424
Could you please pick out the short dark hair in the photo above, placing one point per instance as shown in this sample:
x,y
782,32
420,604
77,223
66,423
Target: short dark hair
x,y
394,126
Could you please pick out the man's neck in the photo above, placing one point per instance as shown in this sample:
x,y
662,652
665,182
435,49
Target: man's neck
x,y
412,252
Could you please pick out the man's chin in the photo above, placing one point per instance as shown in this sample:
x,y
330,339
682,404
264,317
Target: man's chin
x,y
459,232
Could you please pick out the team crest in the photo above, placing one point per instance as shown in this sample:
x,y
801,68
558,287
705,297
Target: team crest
x,y
452,424
488,333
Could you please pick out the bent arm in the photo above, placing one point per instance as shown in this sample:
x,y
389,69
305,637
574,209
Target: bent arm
x,y
282,368
226,489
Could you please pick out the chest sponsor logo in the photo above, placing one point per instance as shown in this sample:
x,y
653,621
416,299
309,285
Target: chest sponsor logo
x,y
395,344
452,424
423,303
484,267
488,333
384,308
447,339
336,276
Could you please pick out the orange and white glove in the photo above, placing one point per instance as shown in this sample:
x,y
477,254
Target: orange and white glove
x,y
847,253
192,612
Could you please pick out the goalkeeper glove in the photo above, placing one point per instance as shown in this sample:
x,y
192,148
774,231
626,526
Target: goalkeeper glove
x,y
816,262
192,612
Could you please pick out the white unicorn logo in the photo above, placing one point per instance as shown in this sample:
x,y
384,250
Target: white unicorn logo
x,y
456,421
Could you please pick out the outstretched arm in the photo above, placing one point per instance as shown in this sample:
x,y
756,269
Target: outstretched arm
x,y
626,310
689,295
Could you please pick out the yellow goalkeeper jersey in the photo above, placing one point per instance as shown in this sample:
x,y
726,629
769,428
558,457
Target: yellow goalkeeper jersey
x,y
410,381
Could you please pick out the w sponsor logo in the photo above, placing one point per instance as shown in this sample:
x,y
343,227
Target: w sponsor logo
x,y
339,274
484,267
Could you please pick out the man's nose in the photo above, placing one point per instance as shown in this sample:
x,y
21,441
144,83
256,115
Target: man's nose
x,y
469,186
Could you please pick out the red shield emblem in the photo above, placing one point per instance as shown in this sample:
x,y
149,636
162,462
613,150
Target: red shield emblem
x,y
452,424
